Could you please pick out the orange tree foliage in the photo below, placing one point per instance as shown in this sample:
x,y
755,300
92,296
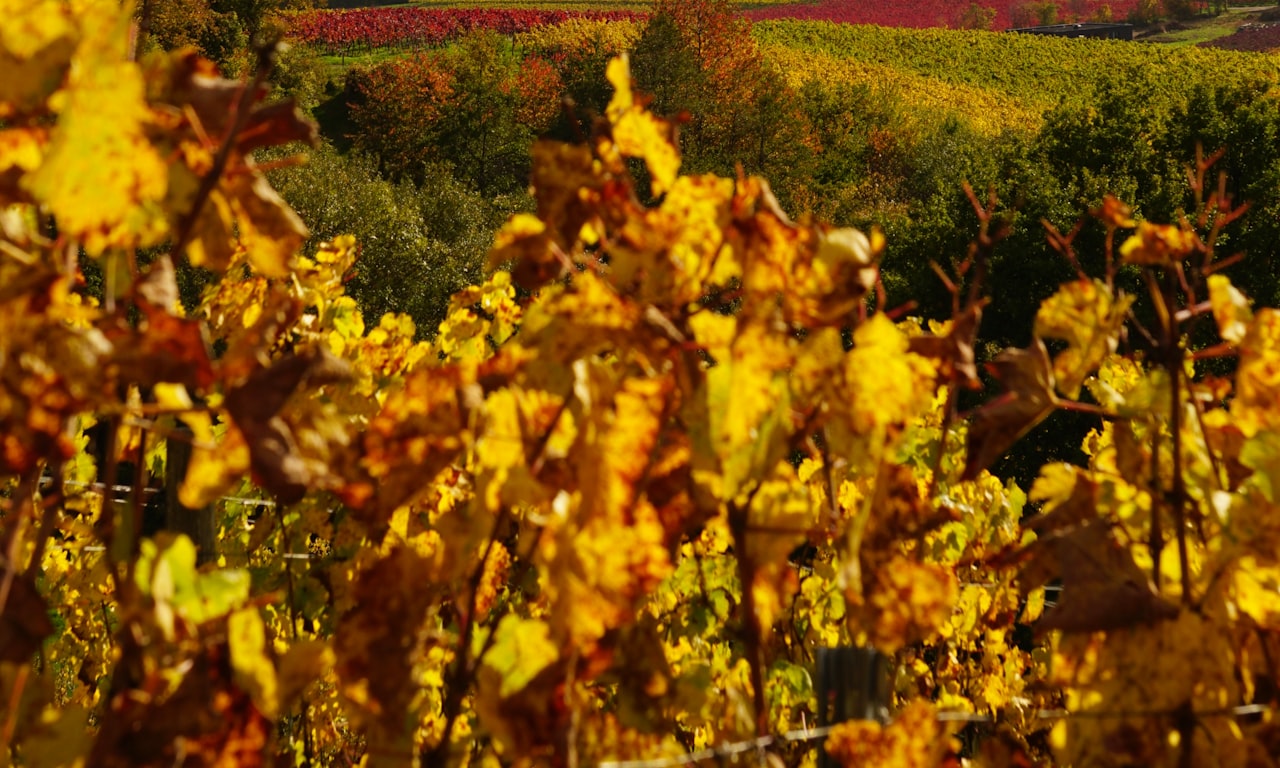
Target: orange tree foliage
x,y
563,532
473,106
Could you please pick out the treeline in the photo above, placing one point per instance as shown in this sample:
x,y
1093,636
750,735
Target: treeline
x,y
857,149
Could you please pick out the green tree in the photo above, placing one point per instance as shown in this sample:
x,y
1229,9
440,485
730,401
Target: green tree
x,y
476,106
699,62
418,244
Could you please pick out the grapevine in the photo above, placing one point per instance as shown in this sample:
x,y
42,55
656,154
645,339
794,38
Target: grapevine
x,y
664,452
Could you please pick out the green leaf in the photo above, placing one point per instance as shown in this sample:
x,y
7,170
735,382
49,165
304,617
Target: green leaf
x,y
522,649
166,571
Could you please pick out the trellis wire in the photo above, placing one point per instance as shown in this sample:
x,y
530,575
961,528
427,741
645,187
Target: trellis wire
x,y
796,736
99,487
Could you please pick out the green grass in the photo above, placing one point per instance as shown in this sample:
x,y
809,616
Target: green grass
x,y
1204,30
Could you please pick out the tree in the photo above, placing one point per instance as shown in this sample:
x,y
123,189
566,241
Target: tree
x,y
172,24
699,61
976,16
476,107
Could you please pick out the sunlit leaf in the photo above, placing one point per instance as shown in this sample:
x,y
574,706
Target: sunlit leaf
x,y
1230,309
251,668
1085,315
637,132
521,650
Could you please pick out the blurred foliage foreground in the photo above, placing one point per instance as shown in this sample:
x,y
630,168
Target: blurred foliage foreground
x,y
609,515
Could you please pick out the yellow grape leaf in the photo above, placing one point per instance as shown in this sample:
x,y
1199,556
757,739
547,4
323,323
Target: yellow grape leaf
x,y
1085,315
37,41
212,242
215,465
101,177
462,335
377,641
844,267
175,396
954,349
521,237
691,222
1258,376
61,737
1103,588
21,151
625,436
1068,495
637,133
887,384
714,333
816,373
1255,590
908,602
501,445
1230,309
1035,606
914,739
269,229
521,649
1159,245
748,403
166,570
304,663
251,668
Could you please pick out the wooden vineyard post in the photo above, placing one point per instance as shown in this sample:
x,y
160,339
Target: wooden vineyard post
x,y
197,524
853,684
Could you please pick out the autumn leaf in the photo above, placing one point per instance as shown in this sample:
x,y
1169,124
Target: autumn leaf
x,y
913,740
251,667
1230,309
887,384
255,405
164,348
101,176
37,43
955,349
521,650
1102,587
374,643
1028,399
269,229
305,662
1085,315
637,133
1159,245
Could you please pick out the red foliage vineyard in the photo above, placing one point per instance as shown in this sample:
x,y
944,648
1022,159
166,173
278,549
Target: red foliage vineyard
x,y
936,13
1250,37
343,31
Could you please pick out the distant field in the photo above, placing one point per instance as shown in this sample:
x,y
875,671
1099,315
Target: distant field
x,y
919,14
996,80
580,5
992,80
362,31
1250,37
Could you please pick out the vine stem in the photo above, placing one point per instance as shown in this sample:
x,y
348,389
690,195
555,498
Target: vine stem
x,y
739,517
464,668
1179,490
308,751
